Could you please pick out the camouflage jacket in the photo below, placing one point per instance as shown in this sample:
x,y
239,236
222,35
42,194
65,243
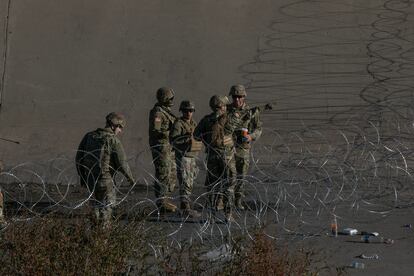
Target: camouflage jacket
x,y
180,137
245,117
101,155
214,125
161,121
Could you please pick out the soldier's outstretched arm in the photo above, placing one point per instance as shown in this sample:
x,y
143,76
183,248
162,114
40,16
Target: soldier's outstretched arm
x,y
120,162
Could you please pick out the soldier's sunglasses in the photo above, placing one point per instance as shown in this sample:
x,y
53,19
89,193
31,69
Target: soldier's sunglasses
x,y
238,97
188,110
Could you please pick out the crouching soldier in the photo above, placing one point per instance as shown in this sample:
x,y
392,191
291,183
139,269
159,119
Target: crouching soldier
x,y
100,155
186,150
216,131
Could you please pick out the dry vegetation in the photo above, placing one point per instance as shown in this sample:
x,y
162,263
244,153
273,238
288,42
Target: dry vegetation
x,y
53,246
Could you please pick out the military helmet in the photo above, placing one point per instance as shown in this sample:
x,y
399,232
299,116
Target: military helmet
x,y
238,90
165,95
187,105
217,101
115,119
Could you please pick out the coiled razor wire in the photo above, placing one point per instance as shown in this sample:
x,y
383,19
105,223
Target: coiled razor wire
x,y
296,181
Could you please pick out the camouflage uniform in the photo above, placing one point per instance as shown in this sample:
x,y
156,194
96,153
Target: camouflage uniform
x,y
221,169
247,118
181,137
161,121
100,155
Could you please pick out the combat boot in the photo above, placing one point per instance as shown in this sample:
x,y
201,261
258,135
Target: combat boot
x,y
219,203
187,211
229,218
239,203
167,207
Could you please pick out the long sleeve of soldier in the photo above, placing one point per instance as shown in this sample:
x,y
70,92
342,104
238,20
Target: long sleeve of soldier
x,y
121,163
159,130
177,136
256,126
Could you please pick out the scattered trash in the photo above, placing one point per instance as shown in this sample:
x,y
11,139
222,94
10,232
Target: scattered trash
x,y
375,239
349,231
222,252
408,225
357,265
363,256
365,233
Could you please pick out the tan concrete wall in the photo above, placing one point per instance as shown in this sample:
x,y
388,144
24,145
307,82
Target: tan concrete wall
x,y
71,62
331,65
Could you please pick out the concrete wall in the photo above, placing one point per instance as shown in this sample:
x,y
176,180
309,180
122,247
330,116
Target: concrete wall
x,y
69,63
330,64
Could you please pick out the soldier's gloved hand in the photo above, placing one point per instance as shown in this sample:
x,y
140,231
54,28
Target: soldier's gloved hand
x,y
247,138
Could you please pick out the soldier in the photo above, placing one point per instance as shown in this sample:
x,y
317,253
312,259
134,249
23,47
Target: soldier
x,y
248,128
186,150
100,155
215,131
161,121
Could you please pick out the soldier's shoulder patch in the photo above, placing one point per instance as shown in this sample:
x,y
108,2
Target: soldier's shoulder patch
x,y
157,121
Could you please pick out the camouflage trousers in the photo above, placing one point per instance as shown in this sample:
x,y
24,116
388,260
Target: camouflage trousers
x,y
104,200
221,177
186,173
242,158
165,170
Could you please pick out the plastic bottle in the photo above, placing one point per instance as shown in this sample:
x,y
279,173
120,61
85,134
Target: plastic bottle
x,y
357,265
372,239
245,133
334,227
